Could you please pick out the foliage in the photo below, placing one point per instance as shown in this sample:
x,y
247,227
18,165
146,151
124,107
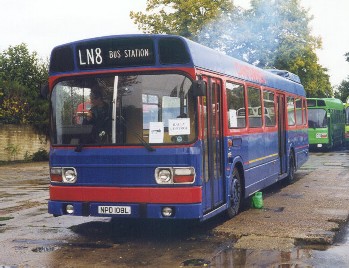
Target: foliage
x,y
271,34
41,155
313,76
342,92
21,74
347,56
12,151
180,17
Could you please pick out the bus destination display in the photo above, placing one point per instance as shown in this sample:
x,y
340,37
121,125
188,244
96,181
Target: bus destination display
x,y
115,53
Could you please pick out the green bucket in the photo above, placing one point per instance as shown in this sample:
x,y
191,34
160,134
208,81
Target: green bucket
x,y
257,200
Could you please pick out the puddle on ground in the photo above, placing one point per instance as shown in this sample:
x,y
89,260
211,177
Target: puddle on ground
x,y
44,249
5,218
294,196
195,262
52,245
189,245
278,209
335,255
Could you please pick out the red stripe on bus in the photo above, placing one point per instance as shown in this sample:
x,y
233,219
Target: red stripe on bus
x,y
180,195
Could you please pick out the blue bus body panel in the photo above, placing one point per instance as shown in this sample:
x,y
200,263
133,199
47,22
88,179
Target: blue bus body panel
x,y
261,166
298,139
124,166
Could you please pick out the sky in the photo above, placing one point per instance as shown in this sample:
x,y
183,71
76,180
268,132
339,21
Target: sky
x,y
44,24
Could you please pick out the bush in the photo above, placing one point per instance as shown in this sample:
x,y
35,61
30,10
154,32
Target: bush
x,y
41,155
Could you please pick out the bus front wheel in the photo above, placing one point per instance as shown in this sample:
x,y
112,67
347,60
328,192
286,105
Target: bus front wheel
x,y
235,194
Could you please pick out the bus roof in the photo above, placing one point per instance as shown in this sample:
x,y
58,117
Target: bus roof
x,y
330,103
163,51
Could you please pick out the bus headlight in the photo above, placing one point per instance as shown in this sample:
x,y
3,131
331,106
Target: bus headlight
x,y
174,175
69,175
163,176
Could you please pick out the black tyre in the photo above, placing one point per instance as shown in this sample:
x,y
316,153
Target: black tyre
x,y
235,194
292,169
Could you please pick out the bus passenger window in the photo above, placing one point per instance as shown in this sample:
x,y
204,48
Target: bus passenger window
x,y
299,114
269,109
305,121
290,111
236,105
254,107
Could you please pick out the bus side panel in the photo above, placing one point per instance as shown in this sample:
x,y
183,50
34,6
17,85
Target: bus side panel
x,y
262,162
298,140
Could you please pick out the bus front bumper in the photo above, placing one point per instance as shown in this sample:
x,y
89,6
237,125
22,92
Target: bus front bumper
x,y
126,210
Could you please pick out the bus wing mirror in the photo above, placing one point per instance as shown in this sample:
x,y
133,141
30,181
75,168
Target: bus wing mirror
x,y
44,91
199,88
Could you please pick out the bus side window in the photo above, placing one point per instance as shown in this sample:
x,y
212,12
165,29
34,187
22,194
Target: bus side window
x,y
290,111
236,105
254,103
269,109
299,117
304,112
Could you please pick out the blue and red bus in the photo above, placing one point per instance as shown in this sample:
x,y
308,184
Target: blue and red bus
x,y
190,132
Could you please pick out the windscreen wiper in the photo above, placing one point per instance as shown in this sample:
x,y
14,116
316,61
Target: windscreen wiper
x,y
144,143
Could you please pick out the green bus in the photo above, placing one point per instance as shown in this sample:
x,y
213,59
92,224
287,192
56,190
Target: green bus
x,y
346,132
326,121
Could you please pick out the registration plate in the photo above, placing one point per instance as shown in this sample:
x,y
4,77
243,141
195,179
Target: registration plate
x,y
116,210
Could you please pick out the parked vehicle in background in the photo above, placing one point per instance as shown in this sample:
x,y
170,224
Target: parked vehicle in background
x,y
326,121
346,131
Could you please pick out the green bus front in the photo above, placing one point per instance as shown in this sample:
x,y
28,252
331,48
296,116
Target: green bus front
x,y
346,131
318,132
326,123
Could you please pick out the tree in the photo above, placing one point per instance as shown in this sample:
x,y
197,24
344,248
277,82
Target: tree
x,y
180,17
347,56
272,34
21,74
342,92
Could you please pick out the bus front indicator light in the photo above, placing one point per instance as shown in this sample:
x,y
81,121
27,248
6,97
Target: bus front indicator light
x,y
183,175
56,174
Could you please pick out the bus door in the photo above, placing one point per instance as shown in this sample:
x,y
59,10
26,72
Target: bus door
x,y
281,107
213,182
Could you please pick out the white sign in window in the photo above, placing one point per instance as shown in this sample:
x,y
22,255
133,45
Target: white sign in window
x,y
179,126
156,132
233,120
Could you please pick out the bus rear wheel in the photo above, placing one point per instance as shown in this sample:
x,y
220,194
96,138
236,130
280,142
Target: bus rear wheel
x,y
235,201
292,170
